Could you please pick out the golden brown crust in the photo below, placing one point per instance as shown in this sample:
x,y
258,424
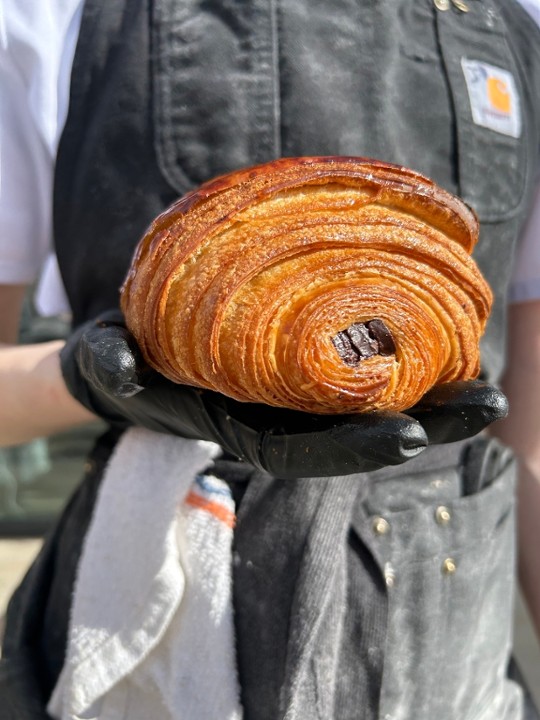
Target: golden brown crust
x,y
243,285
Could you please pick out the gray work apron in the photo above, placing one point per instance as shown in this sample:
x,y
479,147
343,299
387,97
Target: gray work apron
x,y
448,560
441,533
371,597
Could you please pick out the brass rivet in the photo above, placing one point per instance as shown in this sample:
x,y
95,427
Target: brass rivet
x,y
442,515
449,566
380,526
88,466
442,4
460,5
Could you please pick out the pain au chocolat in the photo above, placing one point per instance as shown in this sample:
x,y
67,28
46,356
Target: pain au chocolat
x,y
323,284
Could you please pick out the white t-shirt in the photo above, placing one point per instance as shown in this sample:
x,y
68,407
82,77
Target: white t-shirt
x,y
37,44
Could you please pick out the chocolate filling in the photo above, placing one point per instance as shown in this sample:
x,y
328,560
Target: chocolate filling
x,y
363,340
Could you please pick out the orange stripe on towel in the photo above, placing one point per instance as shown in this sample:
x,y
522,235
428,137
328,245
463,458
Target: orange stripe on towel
x,y
214,508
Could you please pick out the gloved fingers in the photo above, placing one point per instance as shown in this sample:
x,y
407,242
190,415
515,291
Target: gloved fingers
x,y
109,359
458,410
292,444
343,445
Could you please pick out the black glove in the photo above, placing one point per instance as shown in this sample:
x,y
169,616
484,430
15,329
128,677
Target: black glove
x,y
104,370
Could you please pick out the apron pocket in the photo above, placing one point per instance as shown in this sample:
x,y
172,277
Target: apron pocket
x,y
215,103
449,569
490,122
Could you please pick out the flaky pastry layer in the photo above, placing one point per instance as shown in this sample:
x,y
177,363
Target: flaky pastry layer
x,y
264,284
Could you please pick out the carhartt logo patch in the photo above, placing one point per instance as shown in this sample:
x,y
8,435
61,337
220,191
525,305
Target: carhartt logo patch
x,y
493,96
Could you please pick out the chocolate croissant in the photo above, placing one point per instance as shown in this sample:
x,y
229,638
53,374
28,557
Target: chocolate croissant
x,y
325,284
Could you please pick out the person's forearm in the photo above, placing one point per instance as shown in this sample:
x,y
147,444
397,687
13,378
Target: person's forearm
x,y
34,399
521,430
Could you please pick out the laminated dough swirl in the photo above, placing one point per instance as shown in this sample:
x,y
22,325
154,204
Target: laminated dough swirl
x,y
324,284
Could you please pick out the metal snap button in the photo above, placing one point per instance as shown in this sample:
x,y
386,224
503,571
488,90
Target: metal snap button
x,y
441,4
389,575
449,566
381,526
442,515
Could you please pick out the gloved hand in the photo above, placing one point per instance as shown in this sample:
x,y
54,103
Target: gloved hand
x,y
104,370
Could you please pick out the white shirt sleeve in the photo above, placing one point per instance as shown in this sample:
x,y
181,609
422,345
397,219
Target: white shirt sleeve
x,y
37,44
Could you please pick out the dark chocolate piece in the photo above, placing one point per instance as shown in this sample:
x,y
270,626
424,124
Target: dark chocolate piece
x,y
364,340
343,345
379,331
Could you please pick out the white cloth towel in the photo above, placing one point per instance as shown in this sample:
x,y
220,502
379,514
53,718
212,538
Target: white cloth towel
x,y
151,632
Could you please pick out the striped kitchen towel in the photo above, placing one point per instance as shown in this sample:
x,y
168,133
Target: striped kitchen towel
x,y
151,633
